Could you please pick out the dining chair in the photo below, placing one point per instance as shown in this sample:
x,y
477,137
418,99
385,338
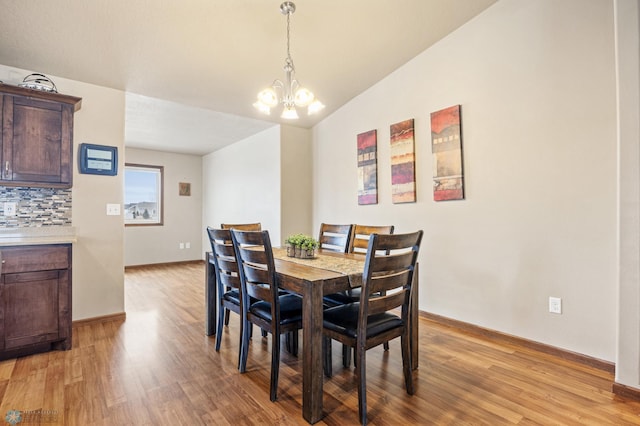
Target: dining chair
x,y
334,237
255,226
275,312
291,338
358,243
386,285
227,279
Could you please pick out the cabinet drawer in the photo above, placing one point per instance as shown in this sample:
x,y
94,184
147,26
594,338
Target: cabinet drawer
x,y
26,277
35,258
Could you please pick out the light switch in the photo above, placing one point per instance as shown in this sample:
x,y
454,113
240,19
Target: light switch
x,y
113,209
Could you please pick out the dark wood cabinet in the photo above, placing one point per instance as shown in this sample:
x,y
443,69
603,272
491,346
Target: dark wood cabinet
x,y
36,137
35,299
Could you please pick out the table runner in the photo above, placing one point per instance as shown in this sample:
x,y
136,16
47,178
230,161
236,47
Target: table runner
x,y
351,267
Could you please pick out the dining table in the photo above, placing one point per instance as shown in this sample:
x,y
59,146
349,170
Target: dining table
x,y
328,272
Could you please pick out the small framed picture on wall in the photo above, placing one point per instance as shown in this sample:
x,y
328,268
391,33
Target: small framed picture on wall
x,y
184,189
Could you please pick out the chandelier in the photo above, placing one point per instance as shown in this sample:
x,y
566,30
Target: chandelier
x,y
289,92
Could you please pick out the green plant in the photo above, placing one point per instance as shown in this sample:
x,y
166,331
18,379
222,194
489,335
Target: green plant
x,y
295,240
309,243
302,241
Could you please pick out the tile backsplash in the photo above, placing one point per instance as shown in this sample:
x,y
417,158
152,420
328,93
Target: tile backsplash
x,y
36,207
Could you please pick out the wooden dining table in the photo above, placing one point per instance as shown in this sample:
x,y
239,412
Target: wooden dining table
x,y
312,280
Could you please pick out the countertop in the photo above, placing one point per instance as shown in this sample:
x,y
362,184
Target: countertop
x,y
39,235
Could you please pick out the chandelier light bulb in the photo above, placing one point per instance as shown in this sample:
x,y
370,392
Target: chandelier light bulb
x,y
262,108
315,107
268,97
289,113
303,97
288,91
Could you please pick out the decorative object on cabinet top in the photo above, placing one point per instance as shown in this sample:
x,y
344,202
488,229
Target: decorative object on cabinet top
x,y
39,82
37,235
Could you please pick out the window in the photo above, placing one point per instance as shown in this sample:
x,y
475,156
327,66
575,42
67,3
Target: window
x,y
143,195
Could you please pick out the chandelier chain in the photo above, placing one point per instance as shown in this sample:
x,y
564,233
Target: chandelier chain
x,y
288,37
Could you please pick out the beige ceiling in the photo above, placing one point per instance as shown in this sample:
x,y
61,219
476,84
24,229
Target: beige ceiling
x,y
177,57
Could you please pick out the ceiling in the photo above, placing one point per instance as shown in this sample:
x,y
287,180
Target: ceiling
x,y
191,69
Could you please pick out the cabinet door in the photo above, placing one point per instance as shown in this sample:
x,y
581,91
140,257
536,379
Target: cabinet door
x,y
30,308
36,141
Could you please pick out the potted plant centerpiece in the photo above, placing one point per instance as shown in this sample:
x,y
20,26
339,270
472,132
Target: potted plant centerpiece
x,y
301,246
308,247
292,242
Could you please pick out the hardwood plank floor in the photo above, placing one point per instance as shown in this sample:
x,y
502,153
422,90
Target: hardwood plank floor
x,y
157,368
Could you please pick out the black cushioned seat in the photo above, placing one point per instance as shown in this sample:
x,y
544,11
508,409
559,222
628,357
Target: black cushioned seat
x,y
290,309
344,320
232,296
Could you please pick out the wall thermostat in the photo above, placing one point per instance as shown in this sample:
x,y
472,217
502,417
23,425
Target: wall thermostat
x,y
98,159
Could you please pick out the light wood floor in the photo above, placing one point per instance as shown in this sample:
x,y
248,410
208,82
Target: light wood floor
x,y
157,368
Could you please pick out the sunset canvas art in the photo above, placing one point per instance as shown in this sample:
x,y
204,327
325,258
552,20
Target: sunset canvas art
x,y
367,168
403,176
446,146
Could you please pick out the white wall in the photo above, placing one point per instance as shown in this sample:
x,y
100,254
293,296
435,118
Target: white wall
x,y
536,81
145,245
98,273
241,184
297,172
628,61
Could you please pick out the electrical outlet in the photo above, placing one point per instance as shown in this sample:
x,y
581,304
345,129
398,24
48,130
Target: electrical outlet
x,y
187,245
555,305
181,246
9,209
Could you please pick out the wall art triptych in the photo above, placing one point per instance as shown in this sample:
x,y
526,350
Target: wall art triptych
x,y
446,148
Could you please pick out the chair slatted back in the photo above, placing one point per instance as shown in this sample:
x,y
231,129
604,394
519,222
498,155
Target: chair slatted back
x,y
243,226
388,274
335,237
359,241
256,265
224,257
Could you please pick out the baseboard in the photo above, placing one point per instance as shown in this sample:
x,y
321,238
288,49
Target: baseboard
x,y
497,335
626,391
121,316
181,262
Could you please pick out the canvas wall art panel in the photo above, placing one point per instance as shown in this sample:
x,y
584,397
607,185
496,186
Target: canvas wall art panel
x,y
368,168
446,146
403,176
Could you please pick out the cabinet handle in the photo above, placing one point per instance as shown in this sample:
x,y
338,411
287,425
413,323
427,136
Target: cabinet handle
x,y
6,167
